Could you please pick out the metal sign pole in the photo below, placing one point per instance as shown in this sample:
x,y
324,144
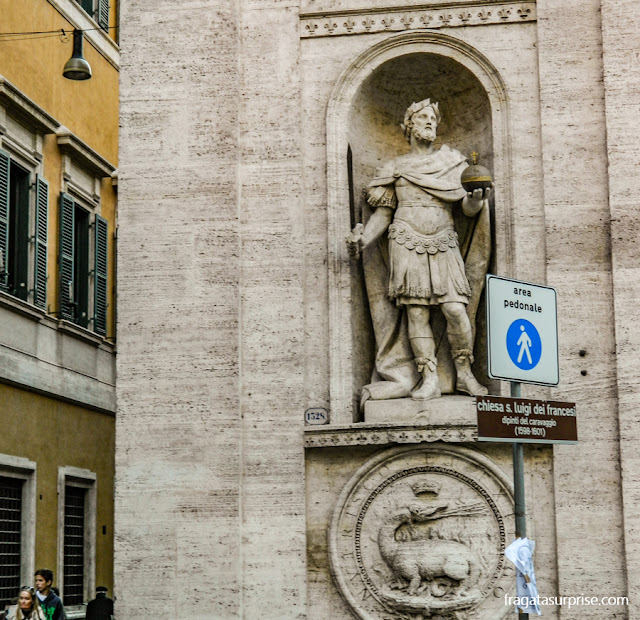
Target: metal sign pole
x,y
518,483
522,345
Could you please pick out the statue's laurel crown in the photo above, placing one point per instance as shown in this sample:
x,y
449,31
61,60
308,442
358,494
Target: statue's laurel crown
x,y
416,107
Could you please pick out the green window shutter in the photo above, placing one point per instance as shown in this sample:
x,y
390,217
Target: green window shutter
x,y
66,259
103,14
100,280
5,162
40,267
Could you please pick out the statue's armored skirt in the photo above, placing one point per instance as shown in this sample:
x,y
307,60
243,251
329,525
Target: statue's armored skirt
x,y
425,269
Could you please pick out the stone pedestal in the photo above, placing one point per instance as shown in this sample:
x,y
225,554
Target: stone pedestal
x,y
450,410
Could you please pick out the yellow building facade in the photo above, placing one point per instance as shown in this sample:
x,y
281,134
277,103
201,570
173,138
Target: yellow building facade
x,y
58,234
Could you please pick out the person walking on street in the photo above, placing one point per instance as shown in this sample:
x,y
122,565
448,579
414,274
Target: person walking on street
x,y
101,607
27,608
49,600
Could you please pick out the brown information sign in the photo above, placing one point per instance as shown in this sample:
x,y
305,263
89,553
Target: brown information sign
x,y
524,420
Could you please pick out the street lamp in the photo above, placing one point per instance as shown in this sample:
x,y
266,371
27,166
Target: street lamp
x,y
77,68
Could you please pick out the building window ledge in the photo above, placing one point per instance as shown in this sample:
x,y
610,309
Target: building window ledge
x,y
22,307
67,327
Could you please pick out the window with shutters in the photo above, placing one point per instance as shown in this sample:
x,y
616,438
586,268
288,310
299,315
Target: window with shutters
x,y
98,10
74,517
76,536
37,335
24,197
83,264
17,525
10,537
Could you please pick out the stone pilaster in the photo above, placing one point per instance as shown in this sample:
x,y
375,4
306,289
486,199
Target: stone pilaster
x,y
210,475
620,43
586,477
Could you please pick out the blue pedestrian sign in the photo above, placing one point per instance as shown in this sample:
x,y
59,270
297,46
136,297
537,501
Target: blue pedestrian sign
x,y
523,344
522,331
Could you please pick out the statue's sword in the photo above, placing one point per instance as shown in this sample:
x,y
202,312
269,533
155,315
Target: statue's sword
x,y
352,201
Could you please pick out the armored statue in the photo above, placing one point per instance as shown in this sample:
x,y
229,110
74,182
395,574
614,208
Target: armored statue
x,y
415,200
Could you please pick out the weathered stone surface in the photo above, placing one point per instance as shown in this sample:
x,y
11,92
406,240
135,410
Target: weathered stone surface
x,y
210,507
452,410
587,479
620,44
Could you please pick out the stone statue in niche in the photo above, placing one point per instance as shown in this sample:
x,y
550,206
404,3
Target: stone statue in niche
x,y
438,253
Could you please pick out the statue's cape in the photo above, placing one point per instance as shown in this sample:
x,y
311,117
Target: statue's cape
x,y
437,174
395,373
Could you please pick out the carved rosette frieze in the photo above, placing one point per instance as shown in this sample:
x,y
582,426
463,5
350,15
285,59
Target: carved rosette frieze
x,y
420,533
396,20
359,435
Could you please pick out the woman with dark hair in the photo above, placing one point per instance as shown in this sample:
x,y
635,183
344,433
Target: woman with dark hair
x,y
28,607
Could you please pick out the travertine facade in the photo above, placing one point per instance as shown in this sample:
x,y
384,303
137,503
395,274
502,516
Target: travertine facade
x,y
239,308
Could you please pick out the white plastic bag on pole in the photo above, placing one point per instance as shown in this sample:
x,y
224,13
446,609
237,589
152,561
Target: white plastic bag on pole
x,y
520,552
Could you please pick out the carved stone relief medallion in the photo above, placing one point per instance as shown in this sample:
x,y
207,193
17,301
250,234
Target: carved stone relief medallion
x,y
420,533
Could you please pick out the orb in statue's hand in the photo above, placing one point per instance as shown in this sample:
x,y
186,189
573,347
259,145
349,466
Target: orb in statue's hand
x,y
475,176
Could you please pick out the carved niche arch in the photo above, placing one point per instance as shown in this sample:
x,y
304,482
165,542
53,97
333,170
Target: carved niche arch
x,y
364,111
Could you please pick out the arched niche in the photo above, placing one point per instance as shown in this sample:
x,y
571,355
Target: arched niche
x,y
363,132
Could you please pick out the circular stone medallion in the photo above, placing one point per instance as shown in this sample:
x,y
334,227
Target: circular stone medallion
x,y
420,533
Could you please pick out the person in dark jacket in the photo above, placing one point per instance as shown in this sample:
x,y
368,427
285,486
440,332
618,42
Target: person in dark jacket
x,y
49,601
101,607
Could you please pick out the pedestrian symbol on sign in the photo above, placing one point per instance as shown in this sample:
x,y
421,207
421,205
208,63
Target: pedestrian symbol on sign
x,y
523,344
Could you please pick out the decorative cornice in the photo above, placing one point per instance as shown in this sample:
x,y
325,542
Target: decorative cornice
x,y
452,15
21,107
83,155
376,435
83,334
